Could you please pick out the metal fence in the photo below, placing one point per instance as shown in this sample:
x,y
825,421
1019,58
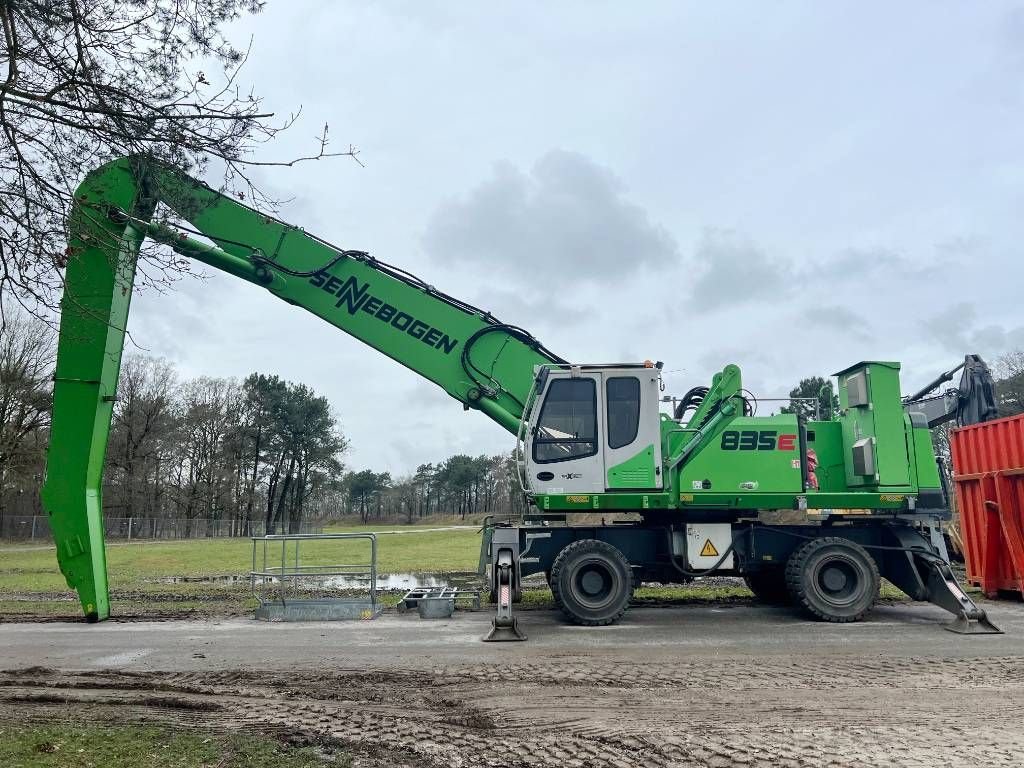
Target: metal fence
x,y
308,586
37,528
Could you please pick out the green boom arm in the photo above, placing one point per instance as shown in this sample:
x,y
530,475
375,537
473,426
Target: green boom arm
x,y
480,362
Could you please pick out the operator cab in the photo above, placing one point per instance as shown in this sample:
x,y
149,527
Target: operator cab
x,y
594,428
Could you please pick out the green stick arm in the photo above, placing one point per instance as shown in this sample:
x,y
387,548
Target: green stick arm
x,y
480,362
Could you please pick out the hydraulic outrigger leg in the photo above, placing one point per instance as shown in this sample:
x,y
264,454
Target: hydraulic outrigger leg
x,y
926,576
504,585
944,592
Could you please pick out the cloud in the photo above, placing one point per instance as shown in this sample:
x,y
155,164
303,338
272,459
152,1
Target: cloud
x,y
565,221
837,320
1009,46
955,329
716,359
852,264
734,271
424,395
863,263
529,310
163,320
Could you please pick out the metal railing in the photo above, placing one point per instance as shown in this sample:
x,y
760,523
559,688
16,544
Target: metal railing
x,y
291,588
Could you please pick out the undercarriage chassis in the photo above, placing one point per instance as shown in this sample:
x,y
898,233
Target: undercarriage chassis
x,y
829,570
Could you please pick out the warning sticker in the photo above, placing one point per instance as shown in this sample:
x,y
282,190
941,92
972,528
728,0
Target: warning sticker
x,y
708,550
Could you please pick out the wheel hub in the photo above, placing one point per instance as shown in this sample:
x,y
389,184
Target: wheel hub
x,y
838,580
833,579
593,584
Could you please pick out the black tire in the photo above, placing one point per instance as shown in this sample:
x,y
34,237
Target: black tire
x,y
592,583
833,579
769,585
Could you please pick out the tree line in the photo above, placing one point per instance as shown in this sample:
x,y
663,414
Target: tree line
x,y
238,452
455,487
262,449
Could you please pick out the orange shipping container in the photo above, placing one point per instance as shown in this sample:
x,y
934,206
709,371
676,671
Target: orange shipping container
x,y
988,471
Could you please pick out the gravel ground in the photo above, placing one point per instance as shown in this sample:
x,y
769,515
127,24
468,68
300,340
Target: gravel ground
x,y
698,685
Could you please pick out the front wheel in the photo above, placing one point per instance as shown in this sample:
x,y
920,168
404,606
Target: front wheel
x,y
833,579
591,582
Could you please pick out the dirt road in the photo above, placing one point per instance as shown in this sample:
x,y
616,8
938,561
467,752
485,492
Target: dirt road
x,y
700,686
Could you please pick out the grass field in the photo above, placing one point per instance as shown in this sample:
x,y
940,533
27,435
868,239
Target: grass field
x,y
142,574
122,746
31,583
35,570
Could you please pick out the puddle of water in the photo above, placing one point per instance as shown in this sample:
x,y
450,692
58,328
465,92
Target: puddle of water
x,y
199,580
402,582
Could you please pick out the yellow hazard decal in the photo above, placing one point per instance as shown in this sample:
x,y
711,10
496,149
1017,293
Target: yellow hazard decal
x,y
578,499
708,550
892,497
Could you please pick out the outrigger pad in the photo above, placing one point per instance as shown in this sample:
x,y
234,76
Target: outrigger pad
x,y
504,632
944,592
980,625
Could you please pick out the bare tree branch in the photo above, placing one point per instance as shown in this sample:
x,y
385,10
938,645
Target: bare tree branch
x,y
85,81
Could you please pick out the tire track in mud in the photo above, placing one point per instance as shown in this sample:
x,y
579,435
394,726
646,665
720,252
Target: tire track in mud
x,y
590,672
741,674
580,711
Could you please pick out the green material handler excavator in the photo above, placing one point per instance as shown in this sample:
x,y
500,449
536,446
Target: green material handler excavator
x,y
690,492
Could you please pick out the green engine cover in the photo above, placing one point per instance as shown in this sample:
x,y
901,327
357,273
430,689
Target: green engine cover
x,y
752,455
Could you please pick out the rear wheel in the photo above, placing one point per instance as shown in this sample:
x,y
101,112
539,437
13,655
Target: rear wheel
x,y
591,582
833,579
769,585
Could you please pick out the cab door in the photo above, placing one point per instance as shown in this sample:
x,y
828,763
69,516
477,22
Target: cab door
x,y
565,453
632,434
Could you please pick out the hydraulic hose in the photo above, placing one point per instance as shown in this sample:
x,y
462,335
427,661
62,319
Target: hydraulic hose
x,y
516,333
692,399
913,550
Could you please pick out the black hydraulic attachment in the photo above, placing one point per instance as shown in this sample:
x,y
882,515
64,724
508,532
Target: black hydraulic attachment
x,y
924,575
972,402
504,585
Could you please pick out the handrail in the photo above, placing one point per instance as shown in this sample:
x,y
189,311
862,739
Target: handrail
x,y
289,573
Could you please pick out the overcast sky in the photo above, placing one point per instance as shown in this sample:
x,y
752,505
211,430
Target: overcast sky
x,y
788,186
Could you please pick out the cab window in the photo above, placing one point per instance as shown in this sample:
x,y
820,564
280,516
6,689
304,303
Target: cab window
x,y
567,427
623,395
